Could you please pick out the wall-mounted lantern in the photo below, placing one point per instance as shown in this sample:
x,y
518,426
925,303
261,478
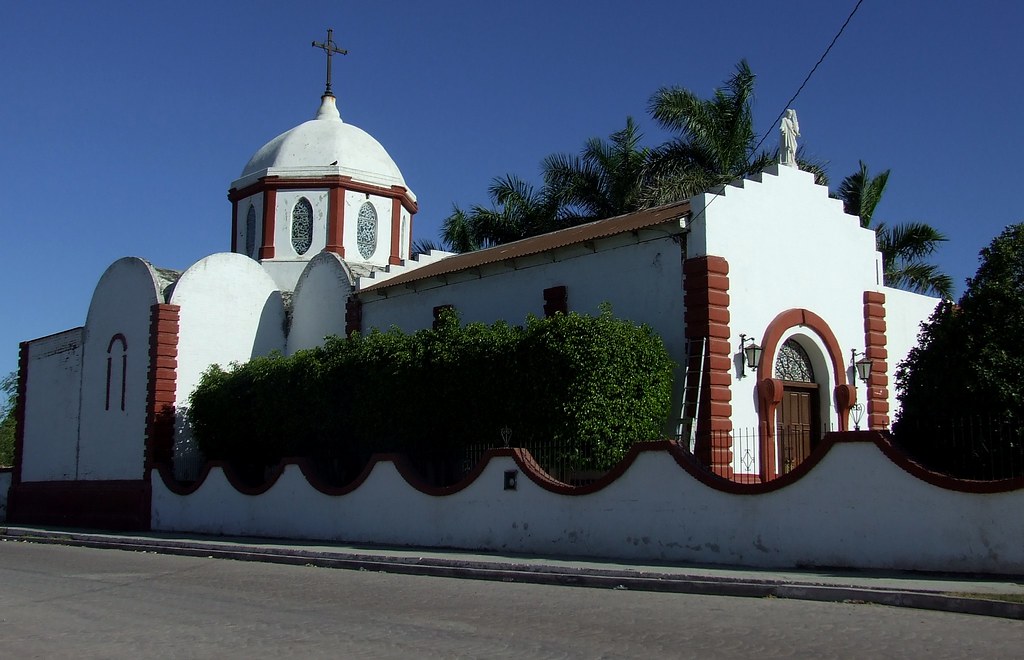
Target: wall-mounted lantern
x,y
750,354
862,366
511,478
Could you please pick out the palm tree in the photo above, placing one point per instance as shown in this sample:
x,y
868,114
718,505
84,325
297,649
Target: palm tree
x,y
904,247
607,178
518,211
715,142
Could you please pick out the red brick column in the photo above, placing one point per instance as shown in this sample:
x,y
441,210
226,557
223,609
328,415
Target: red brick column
x,y
336,220
163,365
706,288
396,231
266,250
875,346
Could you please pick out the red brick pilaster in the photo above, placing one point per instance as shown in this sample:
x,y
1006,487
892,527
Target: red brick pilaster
x,y
706,285
266,250
163,366
336,221
19,411
875,346
396,231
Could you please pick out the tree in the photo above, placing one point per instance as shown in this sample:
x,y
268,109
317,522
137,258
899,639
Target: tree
x,y
518,211
715,141
904,247
607,178
967,370
9,387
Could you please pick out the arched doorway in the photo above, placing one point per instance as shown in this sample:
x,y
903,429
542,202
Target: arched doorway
x,y
798,417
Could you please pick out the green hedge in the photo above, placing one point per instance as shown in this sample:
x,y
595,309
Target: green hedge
x,y
593,384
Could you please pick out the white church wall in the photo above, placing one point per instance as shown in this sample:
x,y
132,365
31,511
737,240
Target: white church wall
x,y
789,246
838,514
52,404
318,306
230,311
904,314
642,281
116,371
286,201
241,225
382,206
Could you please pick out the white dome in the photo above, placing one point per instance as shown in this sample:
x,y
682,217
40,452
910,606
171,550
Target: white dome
x,y
326,145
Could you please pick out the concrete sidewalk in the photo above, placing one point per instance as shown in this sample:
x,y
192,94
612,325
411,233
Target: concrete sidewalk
x,y
1000,596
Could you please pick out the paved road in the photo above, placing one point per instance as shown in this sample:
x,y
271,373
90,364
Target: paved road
x,y
58,601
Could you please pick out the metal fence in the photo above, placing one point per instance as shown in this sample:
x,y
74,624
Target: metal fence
x,y
975,447
565,461
790,446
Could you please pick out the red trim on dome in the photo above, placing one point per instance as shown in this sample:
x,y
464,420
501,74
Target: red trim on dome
x,y
324,182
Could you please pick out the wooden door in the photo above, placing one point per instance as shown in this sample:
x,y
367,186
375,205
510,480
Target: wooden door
x,y
798,429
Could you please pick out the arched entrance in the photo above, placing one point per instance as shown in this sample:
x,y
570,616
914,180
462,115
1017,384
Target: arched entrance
x,y
798,417
806,391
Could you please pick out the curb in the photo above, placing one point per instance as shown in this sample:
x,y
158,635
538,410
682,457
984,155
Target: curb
x,y
533,573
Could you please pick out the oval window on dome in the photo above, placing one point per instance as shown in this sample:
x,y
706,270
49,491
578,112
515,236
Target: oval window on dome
x,y
250,231
302,226
366,230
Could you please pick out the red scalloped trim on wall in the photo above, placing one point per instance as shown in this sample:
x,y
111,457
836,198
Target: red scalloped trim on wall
x,y
524,460
526,463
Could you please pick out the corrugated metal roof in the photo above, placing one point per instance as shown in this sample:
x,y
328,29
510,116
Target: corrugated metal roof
x,y
537,244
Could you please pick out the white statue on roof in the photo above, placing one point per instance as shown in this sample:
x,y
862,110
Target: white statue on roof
x,y
789,131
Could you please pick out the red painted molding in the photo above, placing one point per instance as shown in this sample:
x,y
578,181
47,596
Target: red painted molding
x,y
312,183
266,250
556,301
875,342
396,232
770,346
19,412
336,221
117,505
160,391
706,295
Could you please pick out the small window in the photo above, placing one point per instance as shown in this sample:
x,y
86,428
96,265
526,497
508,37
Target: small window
x,y
117,371
793,363
366,230
302,226
250,231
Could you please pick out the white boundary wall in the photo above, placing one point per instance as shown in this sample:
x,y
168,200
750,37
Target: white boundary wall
x,y
856,508
52,407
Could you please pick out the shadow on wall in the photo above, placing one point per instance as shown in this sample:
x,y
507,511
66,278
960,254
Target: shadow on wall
x,y
269,333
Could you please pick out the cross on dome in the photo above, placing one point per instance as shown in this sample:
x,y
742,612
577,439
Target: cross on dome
x,y
330,48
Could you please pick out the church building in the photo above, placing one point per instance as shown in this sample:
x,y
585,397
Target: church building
x,y
766,294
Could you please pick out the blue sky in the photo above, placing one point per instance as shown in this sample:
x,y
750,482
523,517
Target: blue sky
x,y
122,124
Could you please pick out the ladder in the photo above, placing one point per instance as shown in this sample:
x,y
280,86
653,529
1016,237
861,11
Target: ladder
x,y
693,381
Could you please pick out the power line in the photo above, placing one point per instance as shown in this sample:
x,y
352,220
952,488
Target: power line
x,y
807,79
716,195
